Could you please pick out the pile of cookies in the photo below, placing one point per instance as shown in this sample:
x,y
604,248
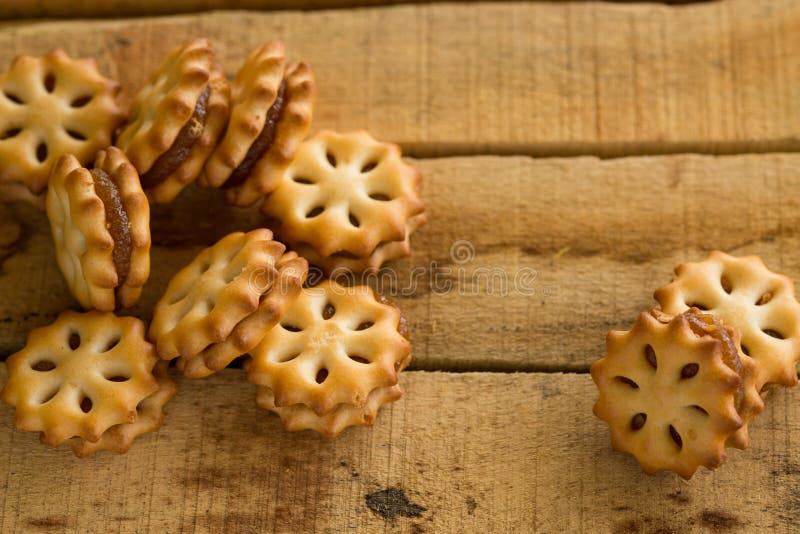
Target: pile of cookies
x,y
684,383
323,357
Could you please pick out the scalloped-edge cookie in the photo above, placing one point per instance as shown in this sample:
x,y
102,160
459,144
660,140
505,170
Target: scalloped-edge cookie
x,y
746,295
176,120
279,294
207,299
675,391
100,220
80,376
150,416
49,106
272,106
334,345
347,202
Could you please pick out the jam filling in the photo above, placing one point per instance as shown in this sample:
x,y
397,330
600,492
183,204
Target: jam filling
x,y
168,162
117,222
263,142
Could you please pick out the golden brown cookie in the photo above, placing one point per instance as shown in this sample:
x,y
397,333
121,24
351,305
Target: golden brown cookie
x,y
271,108
675,391
746,295
176,120
150,416
100,220
206,300
334,345
49,106
80,376
347,201
279,293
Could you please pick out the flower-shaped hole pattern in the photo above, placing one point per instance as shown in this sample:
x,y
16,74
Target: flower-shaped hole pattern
x,y
668,394
80,376
334,345
346,194
744,294
49,106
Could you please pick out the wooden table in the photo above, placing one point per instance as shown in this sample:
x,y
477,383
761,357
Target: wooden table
x,y
508,110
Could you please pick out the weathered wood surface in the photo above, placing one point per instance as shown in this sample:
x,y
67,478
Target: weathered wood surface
x,y
524,264
537,78
13,9
480,452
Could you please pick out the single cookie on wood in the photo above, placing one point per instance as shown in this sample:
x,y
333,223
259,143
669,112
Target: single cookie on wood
x,y
206,300
150,416
746,295
347,202
100,220
176,120
279,293
80,376
271,111
49,106
334,345
676,390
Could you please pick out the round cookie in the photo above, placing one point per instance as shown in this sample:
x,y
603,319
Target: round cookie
x,y
271,109
80,376
347,202
49,106
176,120
100,220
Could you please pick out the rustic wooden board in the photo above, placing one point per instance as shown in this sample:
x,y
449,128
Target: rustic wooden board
x,y
534,78
480,452
524,264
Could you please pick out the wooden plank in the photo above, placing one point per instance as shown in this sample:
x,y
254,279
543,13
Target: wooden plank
x,y
480,452
524,264
16,9
541,78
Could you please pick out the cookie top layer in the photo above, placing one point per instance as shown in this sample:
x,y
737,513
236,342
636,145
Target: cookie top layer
x,y
346,195
279,293
670,390
49,106
80,376
745,294
334,345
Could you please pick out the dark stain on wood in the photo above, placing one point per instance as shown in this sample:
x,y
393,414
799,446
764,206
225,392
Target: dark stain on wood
x,y
678,497
472,504
48,523
391,503
122,41
718,521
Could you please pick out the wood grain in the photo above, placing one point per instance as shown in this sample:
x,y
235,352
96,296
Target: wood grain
x,y
557,251
480,452
541,78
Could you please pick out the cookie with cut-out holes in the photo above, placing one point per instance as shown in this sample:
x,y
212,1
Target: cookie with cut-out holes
x,y
742,292
149,418
100,220
300,417
206,300
347,201
271,108
279,292
675,391
176,120
49,106
80,376
333,345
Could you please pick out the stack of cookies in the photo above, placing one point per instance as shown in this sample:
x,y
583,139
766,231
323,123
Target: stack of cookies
x,y
685,381
323,357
